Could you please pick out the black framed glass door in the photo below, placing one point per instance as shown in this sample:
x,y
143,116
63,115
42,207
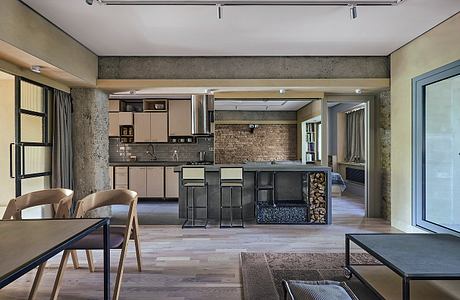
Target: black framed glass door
x,y
33,137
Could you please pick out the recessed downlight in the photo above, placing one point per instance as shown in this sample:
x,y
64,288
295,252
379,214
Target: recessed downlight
x,y
36,69
358,91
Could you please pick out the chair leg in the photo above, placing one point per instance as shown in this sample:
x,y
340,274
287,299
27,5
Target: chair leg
x,y
37,279
137,243
116,292
89,257
76,264
60,273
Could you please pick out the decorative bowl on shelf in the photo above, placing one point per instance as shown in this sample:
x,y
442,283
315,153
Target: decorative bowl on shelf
x,y
159,106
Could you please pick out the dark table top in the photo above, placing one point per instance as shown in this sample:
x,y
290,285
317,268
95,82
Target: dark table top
x,y
25,242
414,254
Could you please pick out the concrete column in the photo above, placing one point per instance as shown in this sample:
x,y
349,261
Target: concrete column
x,y
385,151
90,143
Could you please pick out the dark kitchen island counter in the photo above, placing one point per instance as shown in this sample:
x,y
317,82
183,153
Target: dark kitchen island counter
x,y
299,190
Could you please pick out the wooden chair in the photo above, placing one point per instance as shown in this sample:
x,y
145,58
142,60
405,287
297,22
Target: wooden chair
x,y
119,235
60,201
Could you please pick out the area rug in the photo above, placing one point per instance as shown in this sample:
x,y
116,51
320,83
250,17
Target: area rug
x,y
263,272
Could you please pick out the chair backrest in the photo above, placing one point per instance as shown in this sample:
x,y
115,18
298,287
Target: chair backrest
x,y
193,173
59,199
232,174
106,198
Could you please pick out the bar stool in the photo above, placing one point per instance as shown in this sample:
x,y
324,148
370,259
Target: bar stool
x,y
231,178
192,178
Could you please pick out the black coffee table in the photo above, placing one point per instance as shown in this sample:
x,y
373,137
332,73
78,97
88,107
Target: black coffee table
x,y
413,256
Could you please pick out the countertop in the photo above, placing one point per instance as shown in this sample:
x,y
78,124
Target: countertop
x,y
147,163
262,167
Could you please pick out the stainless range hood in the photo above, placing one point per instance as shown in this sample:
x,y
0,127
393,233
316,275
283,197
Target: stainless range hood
x,y
200,121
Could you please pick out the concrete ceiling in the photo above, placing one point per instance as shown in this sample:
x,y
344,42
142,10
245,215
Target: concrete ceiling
x,y
260,105
252,31
6,76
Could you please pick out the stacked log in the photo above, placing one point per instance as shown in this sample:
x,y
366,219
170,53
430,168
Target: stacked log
x,y
318,197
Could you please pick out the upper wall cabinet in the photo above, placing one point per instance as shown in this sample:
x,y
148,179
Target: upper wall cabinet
x,y
114,124
142,127
159,127
125,118
114,105
150,127
180,118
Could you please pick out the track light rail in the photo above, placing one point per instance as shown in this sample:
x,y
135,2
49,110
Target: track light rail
x,y
249,3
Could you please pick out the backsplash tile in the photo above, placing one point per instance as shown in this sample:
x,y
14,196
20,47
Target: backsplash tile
x,y
120,152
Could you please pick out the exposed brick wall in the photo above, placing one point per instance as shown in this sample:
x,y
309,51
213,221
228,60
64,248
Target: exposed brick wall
x,y
236,144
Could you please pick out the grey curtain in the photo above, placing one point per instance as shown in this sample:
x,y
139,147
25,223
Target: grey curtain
x,y
355,136
62,169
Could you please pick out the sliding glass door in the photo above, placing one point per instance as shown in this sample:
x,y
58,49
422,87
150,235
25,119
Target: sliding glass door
x,y
437,149
33,137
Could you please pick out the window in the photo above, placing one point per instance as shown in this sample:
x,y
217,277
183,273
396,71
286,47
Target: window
x,y
436,149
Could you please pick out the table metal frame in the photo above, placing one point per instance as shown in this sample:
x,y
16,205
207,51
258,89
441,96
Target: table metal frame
x,y
406,278
43,257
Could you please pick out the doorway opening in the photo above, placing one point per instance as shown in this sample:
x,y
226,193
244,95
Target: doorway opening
x,y
348,148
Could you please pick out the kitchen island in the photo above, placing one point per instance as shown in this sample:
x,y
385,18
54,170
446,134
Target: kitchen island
x,y
299,193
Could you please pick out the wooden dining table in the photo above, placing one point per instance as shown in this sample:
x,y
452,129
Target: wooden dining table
x,y
25,244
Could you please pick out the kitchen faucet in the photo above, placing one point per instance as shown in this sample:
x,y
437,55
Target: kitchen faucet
x,y
151,151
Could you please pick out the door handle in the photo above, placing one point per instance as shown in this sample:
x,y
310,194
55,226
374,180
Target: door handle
x,y
11,160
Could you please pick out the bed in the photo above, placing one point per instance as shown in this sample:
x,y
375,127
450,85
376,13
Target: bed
x,y
338,184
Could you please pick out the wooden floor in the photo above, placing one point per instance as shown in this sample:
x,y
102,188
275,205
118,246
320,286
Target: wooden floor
x,y
201,263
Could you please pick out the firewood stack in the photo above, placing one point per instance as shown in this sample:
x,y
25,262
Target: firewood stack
x,y
318,198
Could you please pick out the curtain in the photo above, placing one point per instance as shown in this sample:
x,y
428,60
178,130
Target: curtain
x,y
355,136
62,169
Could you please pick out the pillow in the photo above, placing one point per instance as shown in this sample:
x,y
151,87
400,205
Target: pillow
x,y
317,290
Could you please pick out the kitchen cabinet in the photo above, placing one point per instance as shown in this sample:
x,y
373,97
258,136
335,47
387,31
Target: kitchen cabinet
x,y
114,105
147,181
142,127
155,182
172,183
125,118
150,127
159,127
138,180
121,177
180,117
114,124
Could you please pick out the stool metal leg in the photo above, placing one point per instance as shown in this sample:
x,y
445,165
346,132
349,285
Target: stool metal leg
x,y
186,208
231,207
241,207
207,205
221,205
192,207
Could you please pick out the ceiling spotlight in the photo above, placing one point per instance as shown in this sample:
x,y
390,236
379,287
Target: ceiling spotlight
x,y
89,2
132,92
220,11
282,91
358,91
353,11
36,69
